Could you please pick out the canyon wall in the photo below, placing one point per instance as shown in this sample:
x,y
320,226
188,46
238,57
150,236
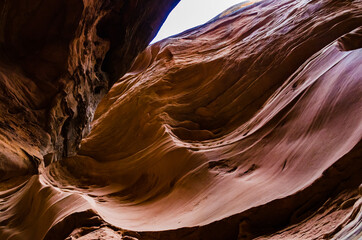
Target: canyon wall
x,y
247,127
57,60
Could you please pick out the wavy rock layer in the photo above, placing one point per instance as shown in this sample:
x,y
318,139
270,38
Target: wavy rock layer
x,y
246,127
52,54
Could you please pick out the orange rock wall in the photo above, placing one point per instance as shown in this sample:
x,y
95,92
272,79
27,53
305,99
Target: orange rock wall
x,y
247,127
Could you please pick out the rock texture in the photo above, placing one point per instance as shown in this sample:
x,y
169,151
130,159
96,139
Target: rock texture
x,y
57,59
248,127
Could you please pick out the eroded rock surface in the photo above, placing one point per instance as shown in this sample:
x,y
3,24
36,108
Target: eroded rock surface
x,y
57,60
246,127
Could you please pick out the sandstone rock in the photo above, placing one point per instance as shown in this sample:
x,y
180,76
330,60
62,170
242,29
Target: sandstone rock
x,y
246,127
57,60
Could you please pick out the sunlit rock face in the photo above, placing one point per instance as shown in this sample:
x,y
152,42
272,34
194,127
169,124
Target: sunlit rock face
x,y
248,127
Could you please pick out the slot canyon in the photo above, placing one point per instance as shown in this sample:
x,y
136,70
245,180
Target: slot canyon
x,y
246,127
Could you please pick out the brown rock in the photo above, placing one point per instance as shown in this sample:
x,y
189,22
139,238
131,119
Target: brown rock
x,y
57,60
246,127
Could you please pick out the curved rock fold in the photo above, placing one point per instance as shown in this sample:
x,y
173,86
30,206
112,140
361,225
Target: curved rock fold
x,y
247,127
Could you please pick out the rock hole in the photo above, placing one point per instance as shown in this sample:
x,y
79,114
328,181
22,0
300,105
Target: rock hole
x,y
251,169
97,90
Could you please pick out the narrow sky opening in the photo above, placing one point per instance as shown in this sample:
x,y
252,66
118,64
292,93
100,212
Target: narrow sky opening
x,y
191,13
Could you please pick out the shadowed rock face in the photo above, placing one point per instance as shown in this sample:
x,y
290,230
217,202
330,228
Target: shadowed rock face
x,y
248,127
57,60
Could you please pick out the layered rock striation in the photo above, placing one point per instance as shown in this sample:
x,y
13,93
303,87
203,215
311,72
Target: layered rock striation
x,y
57,60
247,127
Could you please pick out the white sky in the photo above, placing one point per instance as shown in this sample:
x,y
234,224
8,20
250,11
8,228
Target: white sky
x,y
191,13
